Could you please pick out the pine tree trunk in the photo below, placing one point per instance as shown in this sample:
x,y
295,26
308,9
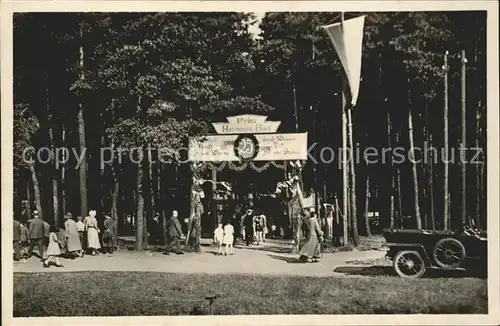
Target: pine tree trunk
x,y
414,171
354,215
139,231
103,181
161,207
398,187
36,190
392,213
28,199
81,135
63,173
114,202
431,187
55,190
367,206
400,197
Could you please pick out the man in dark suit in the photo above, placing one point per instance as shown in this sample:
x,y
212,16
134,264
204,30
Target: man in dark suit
x,y
16,241
174,234
37,232
156,231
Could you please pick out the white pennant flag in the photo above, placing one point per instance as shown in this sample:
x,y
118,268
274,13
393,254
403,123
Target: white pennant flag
x,y
348,44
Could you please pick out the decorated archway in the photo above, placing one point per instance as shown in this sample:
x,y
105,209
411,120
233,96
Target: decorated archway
x,y
247,141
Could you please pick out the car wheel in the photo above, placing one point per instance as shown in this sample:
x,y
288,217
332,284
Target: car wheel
x,y
409,264
448,253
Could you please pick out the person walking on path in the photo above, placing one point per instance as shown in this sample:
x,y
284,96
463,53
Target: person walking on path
x,y
155,233
73,244
24,240
259,228
312,247
249,224
108,235
16,240
228,238
174,234
46,234
37,232
93,231
53,250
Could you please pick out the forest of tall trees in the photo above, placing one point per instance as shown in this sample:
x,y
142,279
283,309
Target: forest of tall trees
x,y
88,81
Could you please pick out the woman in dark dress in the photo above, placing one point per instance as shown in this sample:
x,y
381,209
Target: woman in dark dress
x,y
108,235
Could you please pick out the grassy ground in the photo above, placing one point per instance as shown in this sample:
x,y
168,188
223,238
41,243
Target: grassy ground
x,y
125,293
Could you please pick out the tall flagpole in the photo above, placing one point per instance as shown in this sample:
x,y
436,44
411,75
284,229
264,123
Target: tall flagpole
x,y
344,156
464,142
446,159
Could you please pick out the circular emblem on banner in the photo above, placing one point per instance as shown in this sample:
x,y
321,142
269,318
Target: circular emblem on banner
x,y
246,147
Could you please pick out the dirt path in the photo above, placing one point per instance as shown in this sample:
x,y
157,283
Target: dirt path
x,y
262,260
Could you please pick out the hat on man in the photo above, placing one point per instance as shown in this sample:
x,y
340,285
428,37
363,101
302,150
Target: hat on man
x,y
35,213
68,216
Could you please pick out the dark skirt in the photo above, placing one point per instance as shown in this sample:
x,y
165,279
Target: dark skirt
x,y
107,239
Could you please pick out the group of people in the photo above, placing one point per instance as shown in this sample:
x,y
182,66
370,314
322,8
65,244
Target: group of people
x,y
82,236
78,237
253,227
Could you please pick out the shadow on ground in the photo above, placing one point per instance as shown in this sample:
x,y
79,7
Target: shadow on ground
x,y
274,249
289,260
389,271
366,270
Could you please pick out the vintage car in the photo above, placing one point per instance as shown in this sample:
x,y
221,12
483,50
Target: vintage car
x,y
414,251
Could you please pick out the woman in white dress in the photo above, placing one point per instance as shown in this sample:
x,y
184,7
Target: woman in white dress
x,y
228,238
92,228
73,244
53,250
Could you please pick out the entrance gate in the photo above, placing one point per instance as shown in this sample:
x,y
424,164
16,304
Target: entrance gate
x,y
239,144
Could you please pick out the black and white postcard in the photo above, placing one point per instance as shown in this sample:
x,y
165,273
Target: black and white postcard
x,y
250,162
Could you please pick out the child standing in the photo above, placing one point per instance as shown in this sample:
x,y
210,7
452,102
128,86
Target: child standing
x,y
53,250
218,237
80,227
259,229
228,238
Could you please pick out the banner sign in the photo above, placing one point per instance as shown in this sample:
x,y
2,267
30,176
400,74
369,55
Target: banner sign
x,y
263,147
246,124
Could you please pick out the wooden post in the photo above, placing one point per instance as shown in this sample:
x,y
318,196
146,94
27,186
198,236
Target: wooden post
x,y
464,142
479,196
344,172
344,160
315,174
446,158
